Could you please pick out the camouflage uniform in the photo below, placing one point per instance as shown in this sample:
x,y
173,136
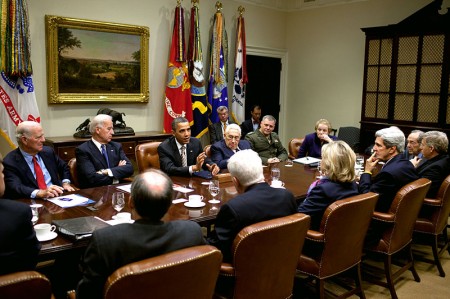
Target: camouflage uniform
x,y
266,150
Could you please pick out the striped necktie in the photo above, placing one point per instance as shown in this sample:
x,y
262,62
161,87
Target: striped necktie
x,y
183,156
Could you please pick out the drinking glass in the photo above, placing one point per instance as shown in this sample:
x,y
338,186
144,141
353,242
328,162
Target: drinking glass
x,y
275,174
319,169
34,213
118,201
214,189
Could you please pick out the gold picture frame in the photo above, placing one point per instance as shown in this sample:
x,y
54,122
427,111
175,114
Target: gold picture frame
x,y
91,61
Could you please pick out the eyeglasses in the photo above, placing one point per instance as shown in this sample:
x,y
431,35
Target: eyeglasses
x,y
229,137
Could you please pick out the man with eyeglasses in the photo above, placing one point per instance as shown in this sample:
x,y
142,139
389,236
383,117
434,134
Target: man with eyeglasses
x,y
222,150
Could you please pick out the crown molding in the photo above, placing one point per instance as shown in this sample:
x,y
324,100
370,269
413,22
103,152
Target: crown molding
x,y
294,5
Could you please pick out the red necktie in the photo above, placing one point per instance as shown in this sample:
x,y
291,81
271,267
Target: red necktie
x,y
39,174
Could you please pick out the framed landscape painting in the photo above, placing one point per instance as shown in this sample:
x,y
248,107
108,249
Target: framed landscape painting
x,y
91,61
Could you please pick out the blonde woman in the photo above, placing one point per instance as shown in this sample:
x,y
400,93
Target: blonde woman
x,y
337,181
312,144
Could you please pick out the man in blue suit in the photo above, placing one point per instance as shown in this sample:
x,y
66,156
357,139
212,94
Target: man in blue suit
x,y
396,172
34,170
101,161
222,150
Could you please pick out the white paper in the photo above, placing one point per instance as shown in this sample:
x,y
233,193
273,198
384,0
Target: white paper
x,y
75,200
179,200
307,160
182,189
126,188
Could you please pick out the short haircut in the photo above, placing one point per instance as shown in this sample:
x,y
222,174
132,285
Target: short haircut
x,y
338,161
151,193
255,107
325,122
177,121
438,140
392,136
233,127
98,121
269,118
246,166
222,108
419,136
24,129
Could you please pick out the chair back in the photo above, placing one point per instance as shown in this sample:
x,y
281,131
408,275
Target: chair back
x,y
350,135
73,171
266,255
294,147
26,284
405,208
439,216
189,273
147,155
344,226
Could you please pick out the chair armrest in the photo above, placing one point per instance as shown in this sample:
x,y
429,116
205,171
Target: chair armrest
x,y
383,217
71,294
314,236
432,202
226,269
128,180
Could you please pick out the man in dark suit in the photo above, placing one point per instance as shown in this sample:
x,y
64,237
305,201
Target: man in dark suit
x,y
217,129
413,150
222,150
256,202
252,124
113,247
172,150
396,172
436,166
19,246
101,161
34,170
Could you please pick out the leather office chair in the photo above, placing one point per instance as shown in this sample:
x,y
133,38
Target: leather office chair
x,y
351,136
392,231
338,246
432,222
147,155
188,273
294,147
26,284
73,171
265,256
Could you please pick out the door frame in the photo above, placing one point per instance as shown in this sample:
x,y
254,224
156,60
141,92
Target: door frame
x,y
283,55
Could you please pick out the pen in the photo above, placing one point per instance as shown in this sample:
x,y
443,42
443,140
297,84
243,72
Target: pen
x,y
307,158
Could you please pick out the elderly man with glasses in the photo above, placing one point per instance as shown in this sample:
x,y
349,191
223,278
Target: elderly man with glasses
x,y
222,150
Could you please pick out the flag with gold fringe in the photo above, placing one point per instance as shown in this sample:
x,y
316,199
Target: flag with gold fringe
x,y
18,100
177,102
197,79
217,88
240,73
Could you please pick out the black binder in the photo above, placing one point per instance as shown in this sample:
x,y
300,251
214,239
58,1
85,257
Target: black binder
x,y
79,228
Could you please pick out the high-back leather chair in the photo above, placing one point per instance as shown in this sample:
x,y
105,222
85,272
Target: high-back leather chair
x,y
294,147
392,231
432,222
147,155
265,256
188,273
351,136
338,245
73,171
26,284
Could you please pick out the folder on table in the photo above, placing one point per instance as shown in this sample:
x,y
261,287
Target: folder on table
x,y
79,228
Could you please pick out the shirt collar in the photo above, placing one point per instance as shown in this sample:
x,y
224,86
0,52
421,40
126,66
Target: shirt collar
x,y
97,144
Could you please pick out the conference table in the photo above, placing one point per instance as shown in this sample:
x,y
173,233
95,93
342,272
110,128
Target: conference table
x,y
296,178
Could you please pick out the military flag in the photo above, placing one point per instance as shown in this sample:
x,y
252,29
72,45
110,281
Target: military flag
x,y
240,73
217,89
177,100
18,100
196,77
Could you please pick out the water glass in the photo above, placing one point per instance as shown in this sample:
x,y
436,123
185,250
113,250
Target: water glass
x,y
275,174
214,190
118,201
35,213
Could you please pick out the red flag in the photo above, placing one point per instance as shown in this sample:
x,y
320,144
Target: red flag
x,y
177,100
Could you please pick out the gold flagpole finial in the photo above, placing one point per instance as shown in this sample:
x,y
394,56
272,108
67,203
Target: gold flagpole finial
x,y
241,10
195,2
218,6
179,2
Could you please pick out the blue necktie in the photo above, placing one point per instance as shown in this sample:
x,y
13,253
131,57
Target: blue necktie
x,y
105,154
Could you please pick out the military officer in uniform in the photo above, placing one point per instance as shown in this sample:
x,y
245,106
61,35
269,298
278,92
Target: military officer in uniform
x,y
266,142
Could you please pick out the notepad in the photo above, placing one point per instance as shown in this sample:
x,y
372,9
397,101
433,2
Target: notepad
x,y
79,228
307,160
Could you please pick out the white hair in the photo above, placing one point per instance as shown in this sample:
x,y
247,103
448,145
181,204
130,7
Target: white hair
x,y
246,166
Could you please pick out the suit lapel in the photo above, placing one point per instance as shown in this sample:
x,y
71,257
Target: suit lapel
x,y
97,154
176,151
24,168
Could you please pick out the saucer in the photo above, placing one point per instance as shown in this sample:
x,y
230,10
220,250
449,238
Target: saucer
x,y
47,237
122,220
194,205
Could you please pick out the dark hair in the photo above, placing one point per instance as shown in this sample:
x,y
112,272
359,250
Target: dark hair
x,y
256,106
177,121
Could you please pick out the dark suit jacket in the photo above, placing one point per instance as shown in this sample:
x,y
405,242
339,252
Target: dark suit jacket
x,y
170,158
215,131
322,195
19,179
436,170
90,160
312,146
220,152
19,246
260,202
246,127
394,175
113,247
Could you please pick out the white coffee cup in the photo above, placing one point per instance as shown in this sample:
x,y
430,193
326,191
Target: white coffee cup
x,y
195,213
124,216
277,184
194,198
44,229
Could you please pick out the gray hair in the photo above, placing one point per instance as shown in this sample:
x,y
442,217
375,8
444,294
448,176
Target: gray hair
x,y
392,136
269,118
221,108
246,166
419,137
177,121
438,140
151,193
24,129
233,127
98,121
